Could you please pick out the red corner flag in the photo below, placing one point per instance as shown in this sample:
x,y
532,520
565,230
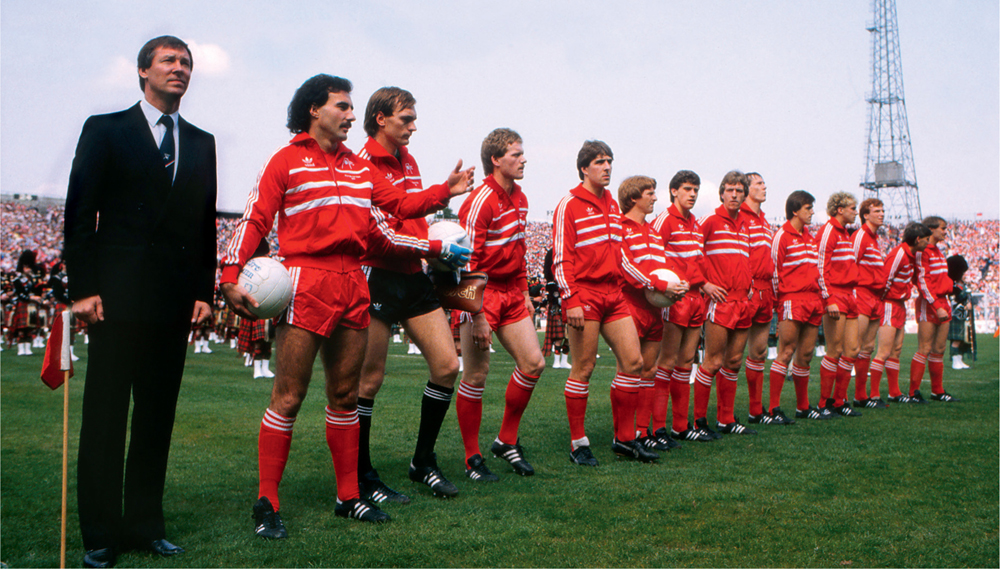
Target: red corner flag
x,y
57,358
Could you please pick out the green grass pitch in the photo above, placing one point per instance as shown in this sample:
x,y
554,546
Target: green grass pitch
x,y
910,486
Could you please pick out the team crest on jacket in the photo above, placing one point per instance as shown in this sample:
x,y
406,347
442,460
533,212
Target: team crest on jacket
x,y
307,161
348,163
408,168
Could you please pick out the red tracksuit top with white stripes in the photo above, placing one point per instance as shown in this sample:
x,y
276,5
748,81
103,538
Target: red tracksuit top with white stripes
x,y
898,273
323,203
586,243
496,223
683,245
837,267
398,244
761,235
868,255
933,282
795,262
641,254
727,252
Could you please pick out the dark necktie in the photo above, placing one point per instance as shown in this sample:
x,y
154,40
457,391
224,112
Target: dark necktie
x,y
167,146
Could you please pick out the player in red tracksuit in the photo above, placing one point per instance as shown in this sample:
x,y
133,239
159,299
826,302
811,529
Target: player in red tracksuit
x,y
495,217
729,313
870,260
685,255
800,307
838,276
762,299
933,314
402,293
642,254
587,237
897,277
322,194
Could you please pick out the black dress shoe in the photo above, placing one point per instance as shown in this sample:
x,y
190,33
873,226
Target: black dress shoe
x,y
99,558
164,548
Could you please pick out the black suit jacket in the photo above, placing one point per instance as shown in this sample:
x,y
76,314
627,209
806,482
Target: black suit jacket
x,y
145,246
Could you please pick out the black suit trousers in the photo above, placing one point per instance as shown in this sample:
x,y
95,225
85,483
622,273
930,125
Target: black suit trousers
x,y
128,361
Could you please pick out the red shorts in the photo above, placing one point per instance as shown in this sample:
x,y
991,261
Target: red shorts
x,y
806,310
503,304
323,300
734,314
647,318
927,313
893,313
688,312
869,304
602,306
845,300
762,305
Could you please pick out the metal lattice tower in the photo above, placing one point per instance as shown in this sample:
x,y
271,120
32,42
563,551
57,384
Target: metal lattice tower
x,y
889,172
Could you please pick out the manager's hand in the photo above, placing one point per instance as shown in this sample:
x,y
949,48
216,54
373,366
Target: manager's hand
x,y
202,312
90,309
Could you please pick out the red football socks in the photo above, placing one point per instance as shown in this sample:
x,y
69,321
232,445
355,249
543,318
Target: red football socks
x,y
469,408
273,443
519,390
342,432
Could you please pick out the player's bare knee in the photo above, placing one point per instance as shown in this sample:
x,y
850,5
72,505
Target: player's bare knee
x,y
286,402
341,399
582,371
445,372
535,368
632,366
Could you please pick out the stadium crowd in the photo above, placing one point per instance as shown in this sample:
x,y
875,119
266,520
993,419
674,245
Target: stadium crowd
x,y
30,226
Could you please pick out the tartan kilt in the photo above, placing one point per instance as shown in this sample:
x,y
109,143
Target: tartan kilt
x,y
956,327
555,330
25,317
454,323
252,331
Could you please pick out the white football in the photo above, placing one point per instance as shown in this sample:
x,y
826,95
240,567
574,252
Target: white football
x,y
269,283
657,298
447,232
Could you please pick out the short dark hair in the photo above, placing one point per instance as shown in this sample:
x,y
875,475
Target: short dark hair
x,y
495,146
683,177
145,58
313,93
386,100
734,177
590,150
915,230
866,207
631,189
934,222
796,201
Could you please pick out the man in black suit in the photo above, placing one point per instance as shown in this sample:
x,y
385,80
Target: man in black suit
x,y
140,257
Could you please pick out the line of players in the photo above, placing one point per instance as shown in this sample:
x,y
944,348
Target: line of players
x,y
352,231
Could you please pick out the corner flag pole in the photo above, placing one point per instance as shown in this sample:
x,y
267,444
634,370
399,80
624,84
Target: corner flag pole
x,y
65,457
59,357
